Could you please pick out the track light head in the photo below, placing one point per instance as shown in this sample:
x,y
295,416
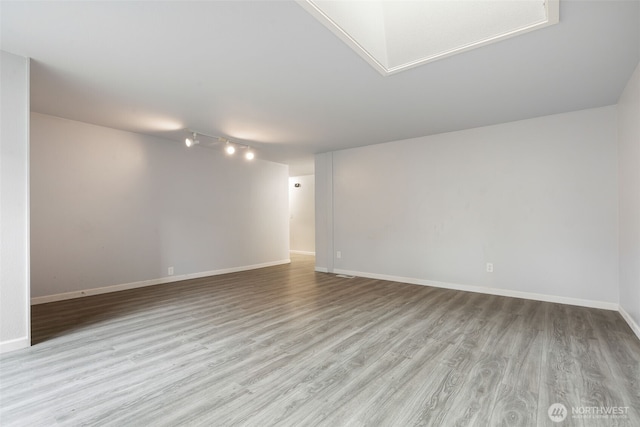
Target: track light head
x,y
249,155
190,142
229,149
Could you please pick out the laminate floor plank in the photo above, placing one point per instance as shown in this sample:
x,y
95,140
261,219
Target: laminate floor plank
x,y
441,393
399,396
288,346
525,358
476,400
560,376
514,407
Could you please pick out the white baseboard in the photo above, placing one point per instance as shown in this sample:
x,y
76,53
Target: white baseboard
x,y
632,324
483,290
302,252
15,344
122,287
322,269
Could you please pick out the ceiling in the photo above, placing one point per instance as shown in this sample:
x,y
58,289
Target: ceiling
x,y
268,74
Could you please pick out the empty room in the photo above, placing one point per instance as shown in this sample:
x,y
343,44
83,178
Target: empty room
x,y
320,213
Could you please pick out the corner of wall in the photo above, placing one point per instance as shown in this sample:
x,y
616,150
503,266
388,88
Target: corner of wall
x,y
628,111
632,324
15,318
324,211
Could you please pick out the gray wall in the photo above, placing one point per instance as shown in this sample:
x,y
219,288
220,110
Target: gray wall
x,y
112,207
15,330
537,198
302,214
629,210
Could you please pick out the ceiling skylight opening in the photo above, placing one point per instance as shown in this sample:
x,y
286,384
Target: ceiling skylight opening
x,y
394,35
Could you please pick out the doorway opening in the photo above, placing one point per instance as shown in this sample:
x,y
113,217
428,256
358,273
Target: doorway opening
x,y
302,221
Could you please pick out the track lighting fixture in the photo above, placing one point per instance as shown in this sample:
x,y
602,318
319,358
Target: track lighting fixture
x,y
190,142
229,147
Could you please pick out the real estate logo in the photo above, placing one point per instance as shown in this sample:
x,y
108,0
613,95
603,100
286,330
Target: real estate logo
x,y
557,412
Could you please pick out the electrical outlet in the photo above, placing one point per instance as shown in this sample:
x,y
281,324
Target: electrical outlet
x,y
338,254
170,271
489,267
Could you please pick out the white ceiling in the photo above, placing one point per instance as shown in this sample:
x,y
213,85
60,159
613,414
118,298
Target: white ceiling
x,y
268,74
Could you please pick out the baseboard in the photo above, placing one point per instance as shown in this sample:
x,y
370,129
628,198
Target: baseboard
x,y
322,269
15,344
170,279
632,324
302,252
483,290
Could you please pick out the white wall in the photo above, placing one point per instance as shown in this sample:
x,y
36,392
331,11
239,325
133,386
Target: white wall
x,y
537,198
15,329
112,207
302,214
323,168
629,205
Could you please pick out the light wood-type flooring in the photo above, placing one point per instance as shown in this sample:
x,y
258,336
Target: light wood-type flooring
x,y
287,346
